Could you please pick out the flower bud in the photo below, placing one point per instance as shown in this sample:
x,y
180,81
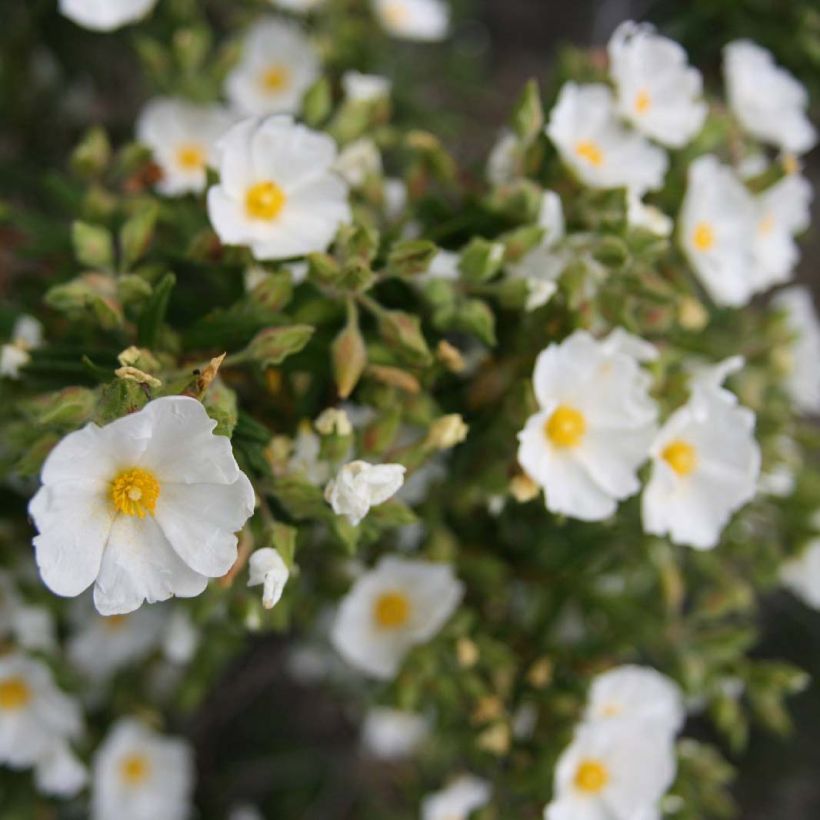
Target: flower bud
x,y
447,432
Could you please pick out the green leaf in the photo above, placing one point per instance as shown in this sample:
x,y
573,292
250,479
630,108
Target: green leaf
x,y
93,245
153,314
136,235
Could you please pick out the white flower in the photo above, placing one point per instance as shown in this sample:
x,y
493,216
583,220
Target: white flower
x,y
139,773
423,20
782,213
266,567
105,15
444,265
298,6
638,694
182,137
658,92
305,457
593,429
26,335
647,217
597,147
277,66
393,734
803,381
277,191
144,508
768,101
457,801
359,160
705,465
360,87
358,486
801,575
102,645
181,637
717,222
395,198
31,627
502,162
612,771
392,608
37,722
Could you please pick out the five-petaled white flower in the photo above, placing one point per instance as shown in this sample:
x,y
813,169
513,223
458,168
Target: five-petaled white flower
x,y
37,724
594,426
393,734
423,20
277,191
716,231
801,575
144,508
803,379
458,800
277,66
267,567
182,137
392,608
597,147
658,92
766,99
105,15
26,335
139,773
358,486
705,464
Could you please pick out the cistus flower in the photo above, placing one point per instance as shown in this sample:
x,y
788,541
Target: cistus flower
x,y
31,627
766,99
705,465
803,378
716,231
26,335
139,773
458,800
277,192
422,20
37,724
266,567
144,508
277,66
658,91
594,426
360,87
182,137
105,15
393,734
597,147
392,608
801,575
358,486
612,771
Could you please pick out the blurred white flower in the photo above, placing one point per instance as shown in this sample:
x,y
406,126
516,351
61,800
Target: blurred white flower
x,y
782,213
502,162
359,160
391,609
277,191
705,465
803,380
139,773
267,568
298,6
144,508
801,575
457,801
37,723
305,456
358,486
31,627
716,231
658,92
360,87
647,217
395,198
105,15
612,771
766,99
181,637
444,265
423,20
26,335
595,145
393,734
182,137
277,66
593,429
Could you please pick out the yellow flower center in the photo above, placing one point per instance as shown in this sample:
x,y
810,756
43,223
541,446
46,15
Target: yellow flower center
x,y
643,102
135,492
790,164
114,622
766,225
135,769
264,200
566,426
703,237
680,456
14,694
611,710
591,776
396,14
591,152
276,78
191,157
391,610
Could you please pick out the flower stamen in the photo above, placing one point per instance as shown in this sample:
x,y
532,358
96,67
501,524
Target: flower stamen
x,y
566,426
135,492
591,152
591,776
134,769
14,694
264,200
391,610
680,456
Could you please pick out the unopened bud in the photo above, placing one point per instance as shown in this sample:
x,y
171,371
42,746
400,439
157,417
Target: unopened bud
x,y
523,488
333,421
447,432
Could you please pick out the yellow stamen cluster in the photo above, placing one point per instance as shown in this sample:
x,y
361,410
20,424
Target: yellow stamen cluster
x,y
643,102
135,769
264,200
703,237
135,492
191,157
276,78
391,610
566,426
591,776
591,152
680,456
14,694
